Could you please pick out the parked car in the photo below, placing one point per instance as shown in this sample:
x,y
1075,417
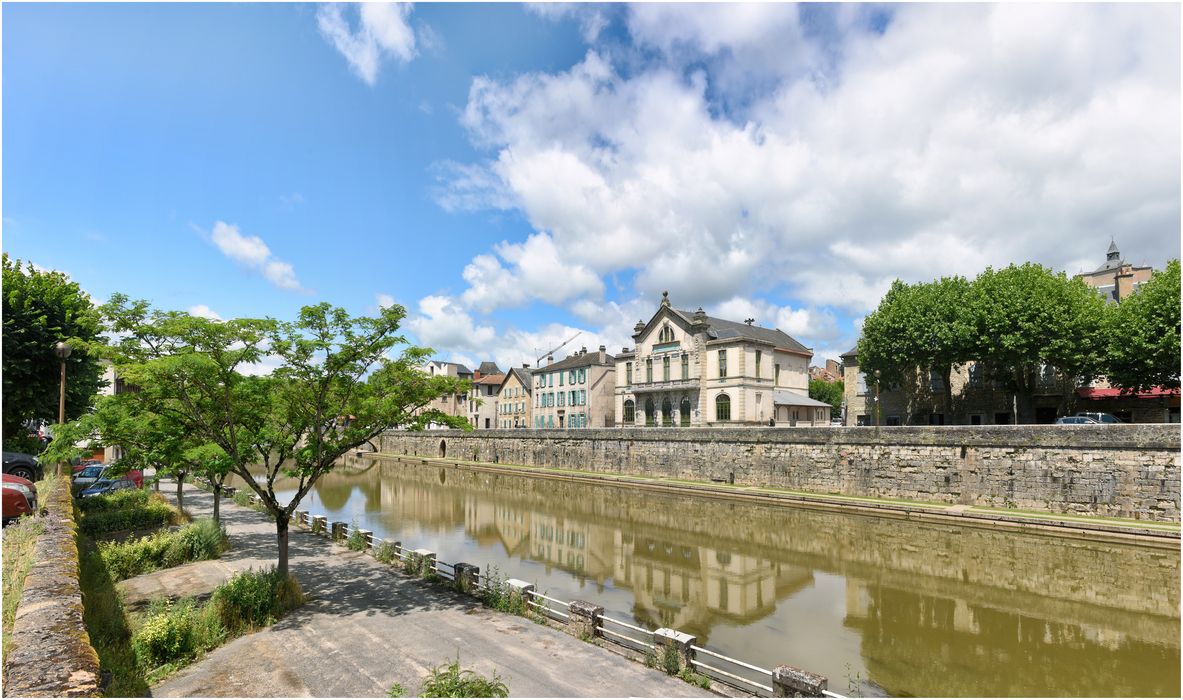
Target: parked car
x,y
136,476
87,463
1106,418
19,498
1076,420
105,486
88,475
22,465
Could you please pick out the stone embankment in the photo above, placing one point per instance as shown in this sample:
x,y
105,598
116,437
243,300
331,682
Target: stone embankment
x,y
1126,471
51,655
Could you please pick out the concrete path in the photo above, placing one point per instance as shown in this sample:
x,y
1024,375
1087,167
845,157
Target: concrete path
x,y
367,627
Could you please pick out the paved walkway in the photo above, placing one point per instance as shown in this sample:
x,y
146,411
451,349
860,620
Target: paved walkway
x,y
367,627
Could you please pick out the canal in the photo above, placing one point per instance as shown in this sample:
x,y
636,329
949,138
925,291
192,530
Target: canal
x,y
881,606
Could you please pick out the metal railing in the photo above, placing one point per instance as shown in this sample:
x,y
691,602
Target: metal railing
x,y
763,673
622,637
546,609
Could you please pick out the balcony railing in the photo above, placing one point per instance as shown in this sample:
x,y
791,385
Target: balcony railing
x,y
641,387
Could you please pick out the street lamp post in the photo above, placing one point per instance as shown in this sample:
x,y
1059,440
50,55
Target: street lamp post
x,y
62,350
878,402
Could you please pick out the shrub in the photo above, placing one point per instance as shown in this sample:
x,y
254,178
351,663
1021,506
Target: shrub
x,y
450,681
357,541
385,553
498,595
196,542
172,633
151,515
699,679
670,662
253,599
119,500
242,497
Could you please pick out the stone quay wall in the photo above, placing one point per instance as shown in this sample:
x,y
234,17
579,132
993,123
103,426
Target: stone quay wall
x,y
1129,471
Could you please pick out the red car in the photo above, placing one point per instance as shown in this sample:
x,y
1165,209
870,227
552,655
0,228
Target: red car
x,y
19,498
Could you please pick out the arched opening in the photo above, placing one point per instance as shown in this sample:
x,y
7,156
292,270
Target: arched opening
x,y
667,414
630,412
722,407
685,413
650,413
443,449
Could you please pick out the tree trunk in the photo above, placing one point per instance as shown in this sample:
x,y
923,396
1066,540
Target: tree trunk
x,y
180,491
281,533
954,418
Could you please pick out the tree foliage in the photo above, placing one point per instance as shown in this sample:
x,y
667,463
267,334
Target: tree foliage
x,y
1143,335
334,389
828,392
42,308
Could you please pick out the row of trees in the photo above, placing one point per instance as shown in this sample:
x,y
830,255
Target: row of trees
x,y
1016,320
196,404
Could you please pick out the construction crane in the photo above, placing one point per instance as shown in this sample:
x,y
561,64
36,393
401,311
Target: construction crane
x,y
543,356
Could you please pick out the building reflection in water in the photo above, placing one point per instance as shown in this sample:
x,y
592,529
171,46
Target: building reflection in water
x,y
936,610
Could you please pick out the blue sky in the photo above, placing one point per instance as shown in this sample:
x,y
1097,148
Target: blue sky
x,y
515,174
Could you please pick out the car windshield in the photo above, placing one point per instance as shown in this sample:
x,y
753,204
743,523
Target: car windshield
x,y
91,472
101,483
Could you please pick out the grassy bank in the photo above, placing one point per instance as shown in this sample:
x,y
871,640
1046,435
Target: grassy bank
x,y
20,547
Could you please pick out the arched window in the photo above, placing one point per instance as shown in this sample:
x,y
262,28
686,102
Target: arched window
x,y
630,411
667,335
685,413
650,410
667,414
722,407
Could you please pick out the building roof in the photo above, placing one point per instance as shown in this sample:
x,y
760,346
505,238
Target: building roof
x,y
721,328
579,359
523,375
853,352
489,367
784,397
460,369
489,379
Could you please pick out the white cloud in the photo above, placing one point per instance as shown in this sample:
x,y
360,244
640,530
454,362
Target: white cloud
x,y
592,17
383,31
385,301
204,312
252,253
960,137
536,270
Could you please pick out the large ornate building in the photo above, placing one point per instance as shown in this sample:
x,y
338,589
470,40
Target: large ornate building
x,y
692,370
1116,279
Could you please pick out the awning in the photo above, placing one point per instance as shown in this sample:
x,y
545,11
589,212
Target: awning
x,y
784,397
1157,392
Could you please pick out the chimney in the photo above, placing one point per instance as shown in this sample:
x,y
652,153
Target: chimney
x,y
476,374
550,359
602,358
623,350
525,365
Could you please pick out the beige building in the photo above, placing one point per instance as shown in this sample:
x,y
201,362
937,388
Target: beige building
x,y
1116,279
575,392
451,404
483,396
512,408
690,369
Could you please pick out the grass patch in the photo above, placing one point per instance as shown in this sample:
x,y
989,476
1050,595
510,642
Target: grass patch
x,y
242,497
451,681
385,553
119,500
107,624
20,543
117,513
498,595
197,541
356,541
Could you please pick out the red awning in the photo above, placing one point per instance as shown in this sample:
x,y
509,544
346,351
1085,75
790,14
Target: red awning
x,y
1155,393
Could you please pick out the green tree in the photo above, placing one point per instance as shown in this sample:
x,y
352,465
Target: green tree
x,y
1026,316
335,388
828,392
42,308
1143,335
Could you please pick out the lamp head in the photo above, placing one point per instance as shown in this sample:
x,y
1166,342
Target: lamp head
x,y
62,350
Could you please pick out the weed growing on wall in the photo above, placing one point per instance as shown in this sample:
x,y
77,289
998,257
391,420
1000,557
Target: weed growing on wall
x,y
698,679
670,662
385,553
357,541
498,595
396,691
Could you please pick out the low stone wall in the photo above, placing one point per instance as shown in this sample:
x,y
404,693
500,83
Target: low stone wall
x,y
51,655
1129,471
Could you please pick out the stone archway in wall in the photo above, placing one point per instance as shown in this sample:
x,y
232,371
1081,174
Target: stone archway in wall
x,y
443,449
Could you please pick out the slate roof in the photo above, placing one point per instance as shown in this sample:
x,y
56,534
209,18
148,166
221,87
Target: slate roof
x,y
851,352
784,397
719,328
578,360
488,367
523,376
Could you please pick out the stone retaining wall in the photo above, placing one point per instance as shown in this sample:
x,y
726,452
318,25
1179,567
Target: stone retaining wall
x,y
51,655
1129,471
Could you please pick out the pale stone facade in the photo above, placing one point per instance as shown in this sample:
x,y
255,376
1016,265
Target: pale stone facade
x,y
451,404
575,393
1116,279
689,369
513,409
483,396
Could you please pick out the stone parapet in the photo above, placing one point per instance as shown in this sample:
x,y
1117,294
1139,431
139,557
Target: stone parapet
x,y
51,654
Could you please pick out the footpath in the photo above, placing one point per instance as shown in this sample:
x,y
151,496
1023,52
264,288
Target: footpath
x,y
366,627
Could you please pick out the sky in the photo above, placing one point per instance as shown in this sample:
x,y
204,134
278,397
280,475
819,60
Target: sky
x,y
514,175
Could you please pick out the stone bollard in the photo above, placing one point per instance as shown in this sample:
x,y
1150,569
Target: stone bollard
x,y
520,590
319,524
789,682
368,535
421,563
300,517
229,491
340,530
680,642
583,618
466,576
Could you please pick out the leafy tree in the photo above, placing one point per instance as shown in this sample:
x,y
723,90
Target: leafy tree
x,y
335,389
829,392
1027,316
1143,335
42,308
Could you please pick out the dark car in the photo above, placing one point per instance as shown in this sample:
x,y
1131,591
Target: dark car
x,y
19,498
1076,420
22,465
103,487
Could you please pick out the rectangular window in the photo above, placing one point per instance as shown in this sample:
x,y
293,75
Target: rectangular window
x,y
936,419
936,382
583,397
776,369
685,366
571,377
975,419
560,379
628,373
550,380
861,384
893,420
649,370
665,368
1002,419
722,363
561,396
975,375
758,357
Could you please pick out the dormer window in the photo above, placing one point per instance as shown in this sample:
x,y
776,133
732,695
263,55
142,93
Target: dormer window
x,y
666,335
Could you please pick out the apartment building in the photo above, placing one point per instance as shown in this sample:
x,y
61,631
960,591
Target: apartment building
x,y
513,409
483,396
575,392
